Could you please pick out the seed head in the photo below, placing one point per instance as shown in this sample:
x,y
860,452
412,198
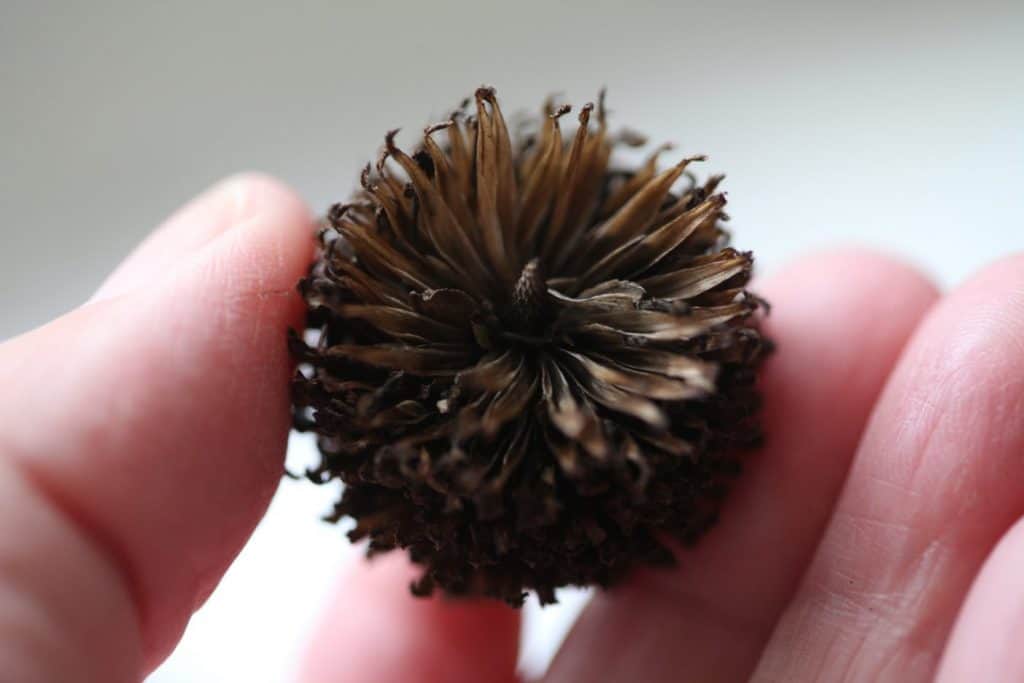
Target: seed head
x,y
529,367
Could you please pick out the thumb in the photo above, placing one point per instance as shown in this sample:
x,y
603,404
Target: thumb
x,y
143,437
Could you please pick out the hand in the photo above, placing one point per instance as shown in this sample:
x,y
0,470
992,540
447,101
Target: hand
x,y
143,434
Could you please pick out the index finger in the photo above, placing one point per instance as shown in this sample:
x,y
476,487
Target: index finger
x,y
154,422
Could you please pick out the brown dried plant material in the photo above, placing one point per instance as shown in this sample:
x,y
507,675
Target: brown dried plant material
x,y
528,367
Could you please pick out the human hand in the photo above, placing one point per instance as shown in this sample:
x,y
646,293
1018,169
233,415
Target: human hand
x,y
143,436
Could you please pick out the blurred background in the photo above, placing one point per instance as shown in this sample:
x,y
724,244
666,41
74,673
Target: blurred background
x,y
893,125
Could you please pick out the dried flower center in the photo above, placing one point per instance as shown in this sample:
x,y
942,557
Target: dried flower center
x,y
525,423
529,309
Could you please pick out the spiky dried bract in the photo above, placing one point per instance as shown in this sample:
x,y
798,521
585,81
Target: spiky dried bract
x,y
527,367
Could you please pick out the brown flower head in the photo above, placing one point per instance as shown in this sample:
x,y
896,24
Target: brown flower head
x,y
527,366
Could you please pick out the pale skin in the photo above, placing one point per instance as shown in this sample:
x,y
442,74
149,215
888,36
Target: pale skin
x,y
877,536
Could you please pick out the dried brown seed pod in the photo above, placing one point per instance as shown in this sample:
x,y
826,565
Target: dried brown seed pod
x,y
528,367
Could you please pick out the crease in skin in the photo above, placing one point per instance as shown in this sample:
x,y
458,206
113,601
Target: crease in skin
x,y
18,457
57,633
898,489
891,620
86,528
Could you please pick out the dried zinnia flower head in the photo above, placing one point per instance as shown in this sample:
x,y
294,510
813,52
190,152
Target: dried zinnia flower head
x,y
527,366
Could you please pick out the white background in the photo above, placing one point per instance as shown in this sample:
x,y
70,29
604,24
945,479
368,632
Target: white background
x,y
897,125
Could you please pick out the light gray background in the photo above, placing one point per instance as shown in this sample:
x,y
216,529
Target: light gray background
x,y
896,125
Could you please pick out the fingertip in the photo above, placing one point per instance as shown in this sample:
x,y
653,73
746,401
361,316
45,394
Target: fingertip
x,y
979,325
253,193
375,630
227,204
240,289
996,281
832,268
1012,263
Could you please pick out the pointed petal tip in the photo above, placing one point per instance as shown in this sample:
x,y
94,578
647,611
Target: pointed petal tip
x,y
435,127
689,160
560,112
585,112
